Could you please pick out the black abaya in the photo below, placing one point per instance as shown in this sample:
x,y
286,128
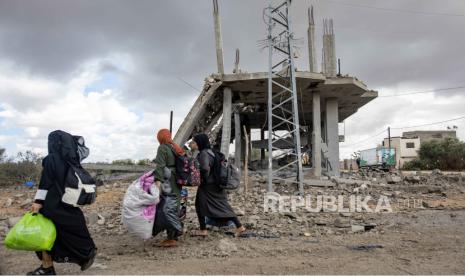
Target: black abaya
x,y
73,242
211,200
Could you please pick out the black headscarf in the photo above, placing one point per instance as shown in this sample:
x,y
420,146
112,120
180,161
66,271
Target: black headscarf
x,y
202,141
65,145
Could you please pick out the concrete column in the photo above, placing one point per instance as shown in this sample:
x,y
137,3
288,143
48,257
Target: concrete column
x,y
237,140
316,137
332,135
227,112
218,38
311,42
329,49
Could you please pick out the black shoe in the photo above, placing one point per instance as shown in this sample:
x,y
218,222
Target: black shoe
x,y
85,265
43,271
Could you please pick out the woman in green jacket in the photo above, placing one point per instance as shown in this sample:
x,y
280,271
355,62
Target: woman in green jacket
x,y
166,158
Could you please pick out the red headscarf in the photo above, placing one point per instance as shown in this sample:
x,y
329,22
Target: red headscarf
x,y
164,137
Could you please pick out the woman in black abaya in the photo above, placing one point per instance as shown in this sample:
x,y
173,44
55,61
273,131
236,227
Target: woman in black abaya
x,y
73,242
211,201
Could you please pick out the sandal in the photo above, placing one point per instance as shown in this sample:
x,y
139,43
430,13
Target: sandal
x,y
239,231
169,243
43,271
198,233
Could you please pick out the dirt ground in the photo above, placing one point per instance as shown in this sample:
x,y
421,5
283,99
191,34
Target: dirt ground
x,y
428,239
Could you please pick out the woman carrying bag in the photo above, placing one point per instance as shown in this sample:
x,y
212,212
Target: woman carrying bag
x,y
73,242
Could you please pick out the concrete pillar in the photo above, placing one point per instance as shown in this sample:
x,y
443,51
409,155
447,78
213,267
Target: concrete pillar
x,y
332,135
227,112
329,49
316,137
237,140
218,38
311,42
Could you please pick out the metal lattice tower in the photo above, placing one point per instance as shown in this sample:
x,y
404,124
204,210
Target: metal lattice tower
x,y
283,112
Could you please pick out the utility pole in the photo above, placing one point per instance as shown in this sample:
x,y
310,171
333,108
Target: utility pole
x,y
389,146
389,139
171,121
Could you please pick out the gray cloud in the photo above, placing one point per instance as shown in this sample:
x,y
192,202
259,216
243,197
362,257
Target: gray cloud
x,y
168,40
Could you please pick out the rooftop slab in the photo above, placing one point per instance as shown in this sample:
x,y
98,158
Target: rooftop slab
x,y
252,89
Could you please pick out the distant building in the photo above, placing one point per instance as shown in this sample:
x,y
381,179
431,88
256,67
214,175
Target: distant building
x,y
348,165
429,135
408,145
406,149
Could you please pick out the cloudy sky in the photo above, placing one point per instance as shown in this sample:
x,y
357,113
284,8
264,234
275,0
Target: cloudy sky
x,y
112,70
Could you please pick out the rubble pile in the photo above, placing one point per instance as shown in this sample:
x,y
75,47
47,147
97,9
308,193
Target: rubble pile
x,y
104,217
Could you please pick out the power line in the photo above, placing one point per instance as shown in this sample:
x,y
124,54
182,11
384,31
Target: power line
x,y
188,84
424,92
364,140
398,128
396,10
436,123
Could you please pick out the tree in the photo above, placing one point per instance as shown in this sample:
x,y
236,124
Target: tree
x,y
447,154
2,154
123,162
144,162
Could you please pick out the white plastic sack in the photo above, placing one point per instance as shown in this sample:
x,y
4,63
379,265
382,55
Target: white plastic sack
x,y
139,206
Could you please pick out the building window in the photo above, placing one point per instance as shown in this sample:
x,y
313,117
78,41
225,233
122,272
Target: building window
x,y
410,145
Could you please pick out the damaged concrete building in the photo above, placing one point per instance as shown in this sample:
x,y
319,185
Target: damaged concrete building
x,y
233,102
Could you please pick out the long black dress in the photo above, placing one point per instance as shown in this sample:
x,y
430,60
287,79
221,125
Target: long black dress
x,y
73,243
211,201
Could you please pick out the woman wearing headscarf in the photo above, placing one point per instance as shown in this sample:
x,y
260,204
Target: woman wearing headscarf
x,y
166,159
73,242
211,200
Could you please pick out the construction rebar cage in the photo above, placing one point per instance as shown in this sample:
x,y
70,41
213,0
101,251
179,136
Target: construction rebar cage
x,y
284,144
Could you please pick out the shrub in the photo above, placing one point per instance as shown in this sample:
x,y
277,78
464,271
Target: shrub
x,y
447,154
144,162
2,154
123,162
26,167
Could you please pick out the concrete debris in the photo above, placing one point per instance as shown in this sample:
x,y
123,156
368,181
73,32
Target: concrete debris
x,y
414,179
341,223
26,203
101,220
8,202
253,221
393,179
360,189
321,222
436,172
357,228
92,218
3,228
13,220
346,215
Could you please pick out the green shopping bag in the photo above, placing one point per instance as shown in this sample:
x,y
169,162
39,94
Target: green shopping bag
x,y
33,232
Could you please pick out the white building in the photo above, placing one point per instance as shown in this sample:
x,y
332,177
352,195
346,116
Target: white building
x,y
406,149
